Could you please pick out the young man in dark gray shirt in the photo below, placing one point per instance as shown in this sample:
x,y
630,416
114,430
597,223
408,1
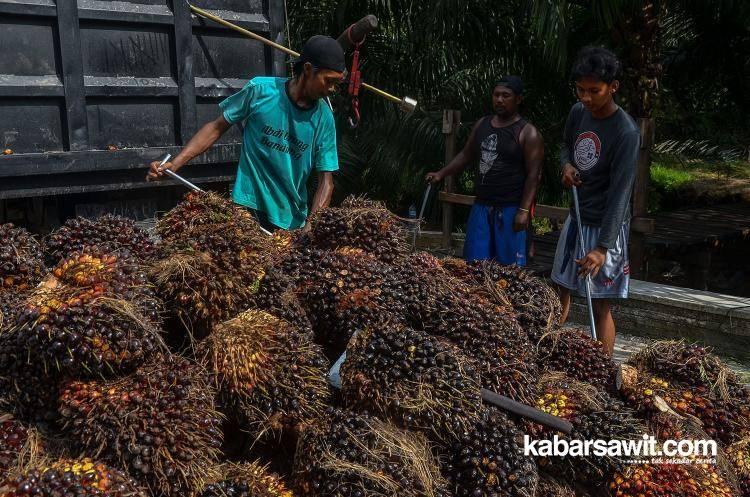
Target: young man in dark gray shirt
x,y
598,156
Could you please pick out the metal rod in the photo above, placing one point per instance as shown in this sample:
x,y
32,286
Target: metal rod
x,y
406,103
531,413
418,227
176,176
583,254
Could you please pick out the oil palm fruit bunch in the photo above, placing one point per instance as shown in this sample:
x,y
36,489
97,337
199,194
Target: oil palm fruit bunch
x,y
21,259
11,305
362,224
200,293
670,480
277,294
739,456
347,455
246,480
159,423
342,293
595,415
80,478
692,365
270,371
115,231
490,337
488,460
411,378
20,445
535,303
573,352
95,315
722,420
27,387
200,210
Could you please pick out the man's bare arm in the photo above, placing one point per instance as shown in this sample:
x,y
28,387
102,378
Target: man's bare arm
x,y
465,157
323,193
199,143
533,156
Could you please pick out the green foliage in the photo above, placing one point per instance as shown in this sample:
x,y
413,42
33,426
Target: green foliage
x,y
448,53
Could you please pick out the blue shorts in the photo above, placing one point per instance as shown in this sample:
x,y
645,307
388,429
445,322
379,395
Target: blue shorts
x,y
490,235
613,279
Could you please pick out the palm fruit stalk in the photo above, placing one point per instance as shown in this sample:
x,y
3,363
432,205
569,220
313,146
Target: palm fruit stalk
x,y
347,455
573,352
246,480
159,423
268,370
362,224
116,232
550,486
21,259
79,478
96,315
691,365
412,379
595,415
488,460
722,420
670,480
535,303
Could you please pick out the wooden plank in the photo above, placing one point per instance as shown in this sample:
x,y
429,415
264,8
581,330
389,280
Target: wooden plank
x,y
455,198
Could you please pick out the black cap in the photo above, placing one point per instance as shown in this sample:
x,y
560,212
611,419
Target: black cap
x,y
323,52
512,82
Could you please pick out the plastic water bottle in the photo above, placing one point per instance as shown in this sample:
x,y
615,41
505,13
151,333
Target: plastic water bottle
x,y
412,217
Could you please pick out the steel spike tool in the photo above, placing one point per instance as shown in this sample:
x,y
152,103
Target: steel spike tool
x,y
418,228
176,176
583,254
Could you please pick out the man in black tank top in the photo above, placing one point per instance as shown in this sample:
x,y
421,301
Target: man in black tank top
x,y
508,152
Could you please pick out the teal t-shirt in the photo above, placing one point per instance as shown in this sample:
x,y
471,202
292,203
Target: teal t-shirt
x,y
282,144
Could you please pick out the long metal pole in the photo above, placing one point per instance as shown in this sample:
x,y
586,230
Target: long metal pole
x,y
583,254
406,103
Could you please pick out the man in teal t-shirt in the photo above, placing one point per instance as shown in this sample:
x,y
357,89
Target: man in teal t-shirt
x,y
288,133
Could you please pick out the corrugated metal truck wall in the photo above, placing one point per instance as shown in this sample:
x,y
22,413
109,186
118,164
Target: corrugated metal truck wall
x,y
92,90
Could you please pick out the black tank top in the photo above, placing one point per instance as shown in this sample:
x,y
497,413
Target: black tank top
x,y
501,171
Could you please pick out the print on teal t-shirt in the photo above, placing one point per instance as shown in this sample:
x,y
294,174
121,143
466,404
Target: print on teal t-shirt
x,y
281,146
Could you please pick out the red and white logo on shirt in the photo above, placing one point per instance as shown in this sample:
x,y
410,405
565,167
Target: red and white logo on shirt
x,y
587,150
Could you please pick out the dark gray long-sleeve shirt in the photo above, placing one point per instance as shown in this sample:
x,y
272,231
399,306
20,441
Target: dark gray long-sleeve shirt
x,y
605,151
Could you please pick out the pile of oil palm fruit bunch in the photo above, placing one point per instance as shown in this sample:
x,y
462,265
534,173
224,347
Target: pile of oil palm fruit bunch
x,y
194,360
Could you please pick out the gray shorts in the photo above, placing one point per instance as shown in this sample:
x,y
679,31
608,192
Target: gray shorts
x,y
614,276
